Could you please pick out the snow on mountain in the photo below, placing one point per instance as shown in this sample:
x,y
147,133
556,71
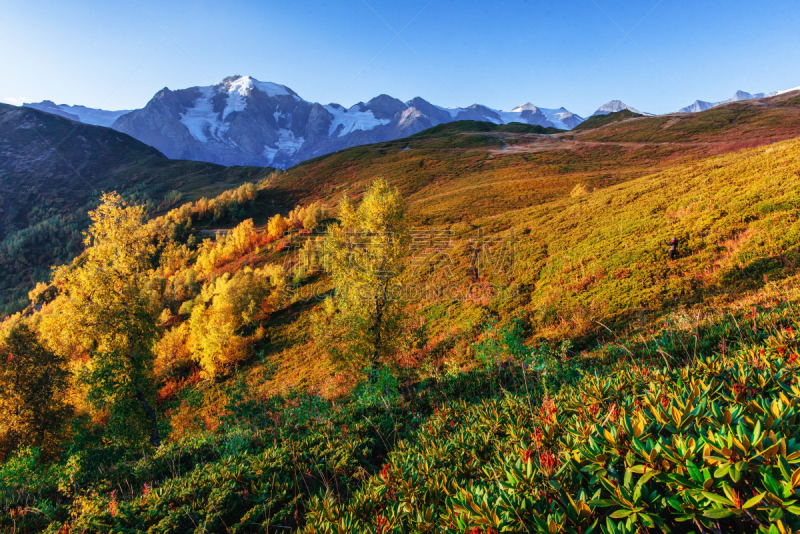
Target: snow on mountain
x,y
96,117
287,143
701,105
527,114
788,91
346,121
561,118
615,106
200,119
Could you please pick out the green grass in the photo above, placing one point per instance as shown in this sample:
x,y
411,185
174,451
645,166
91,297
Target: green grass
x,y
482,126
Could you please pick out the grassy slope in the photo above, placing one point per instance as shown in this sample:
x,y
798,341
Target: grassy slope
x,y
599,261
596,121
738,217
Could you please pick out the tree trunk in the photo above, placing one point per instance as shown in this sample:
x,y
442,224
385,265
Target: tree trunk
x,y
380,305
155,436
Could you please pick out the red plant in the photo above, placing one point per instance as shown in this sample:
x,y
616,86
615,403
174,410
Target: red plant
x,y
537,436
549,463
613,413
548,411
171,388
112,506
527,455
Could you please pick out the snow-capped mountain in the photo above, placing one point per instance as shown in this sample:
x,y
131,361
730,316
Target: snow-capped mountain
x,y
526,113
96,117
788,91
242,121
701,105
615,106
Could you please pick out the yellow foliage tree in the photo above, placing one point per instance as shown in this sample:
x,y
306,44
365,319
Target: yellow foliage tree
x,y
108,308
235,243
367,255
277,226
227,305
172,351
308,217
33,387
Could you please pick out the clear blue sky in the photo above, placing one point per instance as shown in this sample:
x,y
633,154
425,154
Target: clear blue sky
x,y
115,54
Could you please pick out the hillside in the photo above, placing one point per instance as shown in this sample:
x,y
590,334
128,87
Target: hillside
x,y
549,367
752,121
595,121
52,171
617,342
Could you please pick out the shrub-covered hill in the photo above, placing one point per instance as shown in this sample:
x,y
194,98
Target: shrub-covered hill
x,y
596,121
52,171
692,430
599,259
555,370
481,126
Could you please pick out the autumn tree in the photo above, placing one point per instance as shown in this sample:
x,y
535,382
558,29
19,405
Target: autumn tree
x,y
227,306
33,386
108,308
366,254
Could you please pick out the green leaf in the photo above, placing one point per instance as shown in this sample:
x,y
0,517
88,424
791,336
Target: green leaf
x,y
717,498
754,500
718,513
722,470
619,514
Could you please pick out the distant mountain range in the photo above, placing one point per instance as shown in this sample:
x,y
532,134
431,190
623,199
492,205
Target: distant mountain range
x,y
243,121
701,105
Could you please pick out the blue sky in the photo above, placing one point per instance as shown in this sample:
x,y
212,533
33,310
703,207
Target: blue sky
x,y
654,55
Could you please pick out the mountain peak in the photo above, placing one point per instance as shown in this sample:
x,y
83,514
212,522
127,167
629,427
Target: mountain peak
x,y
525,107
243,85
738,96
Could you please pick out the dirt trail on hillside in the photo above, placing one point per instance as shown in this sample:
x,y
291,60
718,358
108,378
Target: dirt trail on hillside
x,y
573,144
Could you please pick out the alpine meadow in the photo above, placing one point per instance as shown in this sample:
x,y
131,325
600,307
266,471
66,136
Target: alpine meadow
x,y
399,317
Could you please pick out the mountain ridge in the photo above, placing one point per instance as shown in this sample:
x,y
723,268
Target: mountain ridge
x,y
738,96
243,121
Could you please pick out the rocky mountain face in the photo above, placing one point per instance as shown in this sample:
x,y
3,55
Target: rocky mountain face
x,y
701,105
242,121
